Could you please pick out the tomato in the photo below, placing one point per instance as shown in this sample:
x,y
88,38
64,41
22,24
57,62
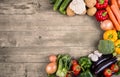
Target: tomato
x,y
114,68
76,69
74,62
70,74
107,72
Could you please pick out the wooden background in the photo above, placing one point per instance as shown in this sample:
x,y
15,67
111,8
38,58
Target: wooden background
x,y
30,31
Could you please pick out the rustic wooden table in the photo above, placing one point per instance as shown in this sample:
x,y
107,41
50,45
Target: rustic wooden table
x,y
30,31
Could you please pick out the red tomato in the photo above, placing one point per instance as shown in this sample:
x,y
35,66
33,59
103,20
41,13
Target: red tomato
x,y
114,68
76,69
74,62
107,72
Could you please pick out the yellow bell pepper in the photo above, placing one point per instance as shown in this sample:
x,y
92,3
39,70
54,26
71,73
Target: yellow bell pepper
x,y
117,46
110,35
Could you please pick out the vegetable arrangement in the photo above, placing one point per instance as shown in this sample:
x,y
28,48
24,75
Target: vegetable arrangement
x,y
103,62
86,66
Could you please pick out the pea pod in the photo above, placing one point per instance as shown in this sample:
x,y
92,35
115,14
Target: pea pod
x,y
57,4
63,6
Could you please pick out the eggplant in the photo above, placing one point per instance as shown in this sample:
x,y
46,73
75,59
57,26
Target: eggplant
x,y
105,64
102,59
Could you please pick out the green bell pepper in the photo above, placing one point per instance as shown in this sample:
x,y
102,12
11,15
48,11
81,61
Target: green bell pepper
x,y
85,62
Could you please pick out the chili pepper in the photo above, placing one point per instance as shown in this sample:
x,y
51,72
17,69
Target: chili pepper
x,y
101,4
101,15
114,68
76,69
108,73
110,35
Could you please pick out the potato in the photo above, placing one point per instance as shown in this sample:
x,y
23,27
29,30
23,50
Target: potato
x,y
91,11
90,3
70,12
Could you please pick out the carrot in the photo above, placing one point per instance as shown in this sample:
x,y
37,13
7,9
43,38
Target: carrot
x,y
115,2
113,19
116,12
118,3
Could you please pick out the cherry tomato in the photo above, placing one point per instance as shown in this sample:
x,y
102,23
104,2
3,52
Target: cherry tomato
x,y
107,72
114,68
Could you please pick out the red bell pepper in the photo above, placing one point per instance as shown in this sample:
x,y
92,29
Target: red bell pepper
x,y
101,15
101,4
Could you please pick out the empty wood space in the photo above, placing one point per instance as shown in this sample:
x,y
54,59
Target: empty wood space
x,y
30,31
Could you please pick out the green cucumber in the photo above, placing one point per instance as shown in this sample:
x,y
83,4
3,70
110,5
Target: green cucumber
x,y
52,1
57,4
63,6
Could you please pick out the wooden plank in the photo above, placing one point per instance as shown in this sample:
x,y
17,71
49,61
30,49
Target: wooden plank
x,y
22,70
40,54
12,70
19,8
23,7
46,21
49,38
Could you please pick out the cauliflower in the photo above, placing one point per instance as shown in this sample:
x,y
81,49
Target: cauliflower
x,y
78,6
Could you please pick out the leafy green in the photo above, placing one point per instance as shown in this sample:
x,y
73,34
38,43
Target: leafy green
x,y
117,73
86,73
85,62
64,64
52,75
106,46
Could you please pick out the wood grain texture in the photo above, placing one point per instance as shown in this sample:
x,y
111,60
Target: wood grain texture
x,y
30,31
22,70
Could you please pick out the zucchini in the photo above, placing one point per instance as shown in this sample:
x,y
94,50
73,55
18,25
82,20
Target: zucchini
x,y
63,6
57,4
105,64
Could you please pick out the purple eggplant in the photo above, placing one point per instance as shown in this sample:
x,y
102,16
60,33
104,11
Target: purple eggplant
x,y
105,64
103,58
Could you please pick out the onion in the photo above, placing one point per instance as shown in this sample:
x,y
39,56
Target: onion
x,y
106,25
51,68
53,58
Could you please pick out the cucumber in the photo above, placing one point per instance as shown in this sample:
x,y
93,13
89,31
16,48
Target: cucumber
x,y
52,1
57,4
63,6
